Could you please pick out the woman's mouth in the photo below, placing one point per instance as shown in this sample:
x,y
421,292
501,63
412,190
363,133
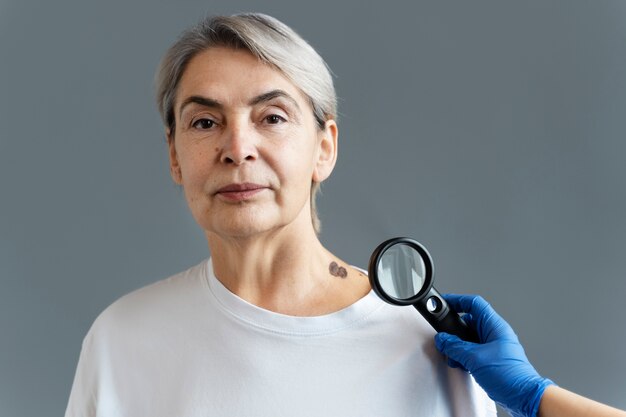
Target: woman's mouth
x,y
240,192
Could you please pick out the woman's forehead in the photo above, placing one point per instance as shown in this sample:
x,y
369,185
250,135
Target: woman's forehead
x,y
233,77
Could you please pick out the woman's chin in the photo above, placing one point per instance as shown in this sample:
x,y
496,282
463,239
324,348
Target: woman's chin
x,y
242,228
251,221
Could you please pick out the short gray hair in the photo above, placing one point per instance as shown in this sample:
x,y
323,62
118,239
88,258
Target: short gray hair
x,y
268,39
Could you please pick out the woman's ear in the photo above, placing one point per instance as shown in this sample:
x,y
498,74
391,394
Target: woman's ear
x,y
175,172
327,151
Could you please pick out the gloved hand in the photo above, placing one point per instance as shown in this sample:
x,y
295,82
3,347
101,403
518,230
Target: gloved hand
x,y
498,364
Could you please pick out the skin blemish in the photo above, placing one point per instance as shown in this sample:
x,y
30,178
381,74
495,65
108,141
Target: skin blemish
x,y
336,270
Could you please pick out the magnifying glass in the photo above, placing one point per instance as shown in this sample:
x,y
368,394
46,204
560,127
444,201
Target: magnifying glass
x,y
401,273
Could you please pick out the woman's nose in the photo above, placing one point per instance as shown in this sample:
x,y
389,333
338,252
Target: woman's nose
x,y
239,145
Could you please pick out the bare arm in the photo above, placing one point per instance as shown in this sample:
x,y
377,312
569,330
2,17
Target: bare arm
x,y
557,401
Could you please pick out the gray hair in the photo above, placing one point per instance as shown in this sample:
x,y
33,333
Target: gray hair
x,y
268,39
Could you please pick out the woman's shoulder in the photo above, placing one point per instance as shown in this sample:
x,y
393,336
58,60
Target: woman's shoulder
x,y
153,302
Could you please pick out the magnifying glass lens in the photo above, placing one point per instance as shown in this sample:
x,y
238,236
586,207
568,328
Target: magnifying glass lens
x,y
401,272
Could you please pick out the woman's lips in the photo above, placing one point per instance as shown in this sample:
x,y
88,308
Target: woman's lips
x,y
240,192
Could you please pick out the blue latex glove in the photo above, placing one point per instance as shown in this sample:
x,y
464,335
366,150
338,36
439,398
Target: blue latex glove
x,y
498,363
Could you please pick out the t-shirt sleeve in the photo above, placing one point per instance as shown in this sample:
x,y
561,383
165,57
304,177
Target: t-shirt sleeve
x,y
84,393
468,399
93,391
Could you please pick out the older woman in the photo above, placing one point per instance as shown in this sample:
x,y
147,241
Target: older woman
x,y
273,323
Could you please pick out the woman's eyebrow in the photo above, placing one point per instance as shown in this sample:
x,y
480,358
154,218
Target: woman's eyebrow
x,y
261,98
203,101
270,95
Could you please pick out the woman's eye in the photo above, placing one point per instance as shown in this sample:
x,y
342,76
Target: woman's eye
x,y
203,124
274,119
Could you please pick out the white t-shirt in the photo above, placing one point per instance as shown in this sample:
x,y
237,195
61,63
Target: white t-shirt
x,y
187,346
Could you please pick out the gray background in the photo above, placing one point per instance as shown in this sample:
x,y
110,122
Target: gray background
x,y
491,131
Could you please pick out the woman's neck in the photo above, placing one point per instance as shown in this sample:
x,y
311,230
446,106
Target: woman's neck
x,y
286,271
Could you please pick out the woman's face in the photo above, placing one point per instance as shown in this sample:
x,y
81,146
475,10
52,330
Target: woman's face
x,y
246,146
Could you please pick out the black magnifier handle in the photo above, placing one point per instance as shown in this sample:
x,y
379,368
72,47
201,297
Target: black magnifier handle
x,y
434,308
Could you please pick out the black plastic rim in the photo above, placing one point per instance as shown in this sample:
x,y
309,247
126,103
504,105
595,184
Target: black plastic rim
x,y
373,268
